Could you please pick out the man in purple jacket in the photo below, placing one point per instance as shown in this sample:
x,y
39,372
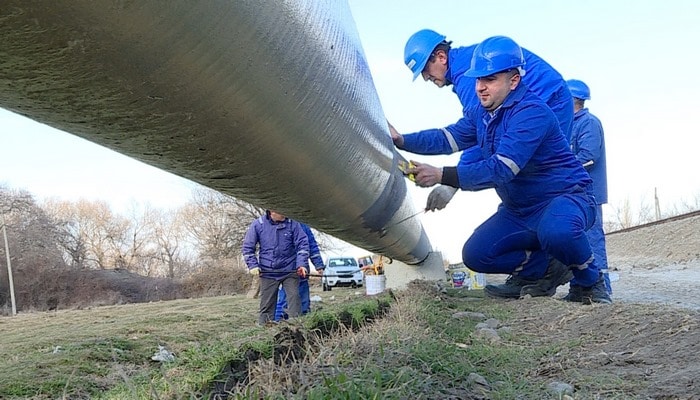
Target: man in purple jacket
x,y
282,252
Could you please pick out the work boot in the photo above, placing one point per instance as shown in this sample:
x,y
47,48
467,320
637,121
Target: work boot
x,y
508,290
597,293
557,274
574,294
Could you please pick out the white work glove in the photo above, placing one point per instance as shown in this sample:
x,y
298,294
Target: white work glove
x,y
254,271
439,197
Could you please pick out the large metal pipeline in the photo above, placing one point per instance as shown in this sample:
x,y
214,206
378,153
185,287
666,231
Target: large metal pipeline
x,y
270,102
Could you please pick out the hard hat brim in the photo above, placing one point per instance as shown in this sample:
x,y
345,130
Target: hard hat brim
x,y
475,73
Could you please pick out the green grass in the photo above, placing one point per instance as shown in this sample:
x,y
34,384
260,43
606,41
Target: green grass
x,y
106,351
355,347
92,351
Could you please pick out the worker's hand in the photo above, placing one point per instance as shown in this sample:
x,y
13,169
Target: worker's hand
x,y
395,136
301,271
426,175
320,271
439,197
254,271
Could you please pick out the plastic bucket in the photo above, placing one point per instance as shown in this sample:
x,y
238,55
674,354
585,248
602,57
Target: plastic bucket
x,y
464,278
477,280
375,284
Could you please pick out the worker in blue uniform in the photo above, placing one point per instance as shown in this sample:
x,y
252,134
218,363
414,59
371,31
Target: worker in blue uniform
x,y
538,234
428,54
588,144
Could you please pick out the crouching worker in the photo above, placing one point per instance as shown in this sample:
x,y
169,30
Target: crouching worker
x,y
276,250
538,233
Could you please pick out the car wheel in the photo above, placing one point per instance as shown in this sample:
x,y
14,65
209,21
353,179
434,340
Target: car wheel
x,y
326,288
354,285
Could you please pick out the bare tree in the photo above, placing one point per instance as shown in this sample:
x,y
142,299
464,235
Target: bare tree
x,y
326,242
685,206
646,213
137,247
69,238
31,244
34,234
91,234
627,216
176,255
217,223
623,214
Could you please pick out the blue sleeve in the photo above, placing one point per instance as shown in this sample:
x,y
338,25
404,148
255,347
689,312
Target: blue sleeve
x,y
464,130
589,142
250,242
301,243
314,252
448,140
528,127
471,155
429,142
484,174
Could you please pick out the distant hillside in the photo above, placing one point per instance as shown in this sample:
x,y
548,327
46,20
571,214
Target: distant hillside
x,y
676,240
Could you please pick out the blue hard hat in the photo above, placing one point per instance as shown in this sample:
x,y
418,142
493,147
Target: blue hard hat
x,y
579,89
418,49
495,54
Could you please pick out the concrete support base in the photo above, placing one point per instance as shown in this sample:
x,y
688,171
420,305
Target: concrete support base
x,y
398,274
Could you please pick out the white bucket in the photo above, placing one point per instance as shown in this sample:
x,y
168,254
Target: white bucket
x,y
375,284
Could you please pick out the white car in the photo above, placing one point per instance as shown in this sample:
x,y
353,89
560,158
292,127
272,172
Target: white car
x,y
342,271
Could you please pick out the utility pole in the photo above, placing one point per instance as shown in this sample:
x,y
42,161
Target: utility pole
x,y
657,208
9,266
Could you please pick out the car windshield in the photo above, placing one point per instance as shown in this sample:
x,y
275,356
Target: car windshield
x,y
342,262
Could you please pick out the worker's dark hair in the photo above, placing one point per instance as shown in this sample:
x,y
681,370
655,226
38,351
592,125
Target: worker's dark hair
x,y
512,72
444,46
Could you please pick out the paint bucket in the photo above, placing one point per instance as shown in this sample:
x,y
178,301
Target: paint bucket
x,y
375,284
462,277
477,280
459,278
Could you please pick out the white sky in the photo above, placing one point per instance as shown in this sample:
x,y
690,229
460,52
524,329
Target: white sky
x,y
637,57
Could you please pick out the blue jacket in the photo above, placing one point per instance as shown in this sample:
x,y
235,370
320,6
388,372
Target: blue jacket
x,y
588,144
542,79
314,252
281,247
525,156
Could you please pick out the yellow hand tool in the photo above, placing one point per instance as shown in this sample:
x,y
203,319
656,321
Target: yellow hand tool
x,y
404,166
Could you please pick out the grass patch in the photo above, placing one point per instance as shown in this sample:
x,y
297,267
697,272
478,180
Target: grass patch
x,y
408,344
90,352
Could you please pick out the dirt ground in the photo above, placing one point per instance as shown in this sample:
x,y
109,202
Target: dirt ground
x,y
658,264
651,334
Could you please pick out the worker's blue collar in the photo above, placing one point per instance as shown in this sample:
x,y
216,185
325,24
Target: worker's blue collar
x,y
515,96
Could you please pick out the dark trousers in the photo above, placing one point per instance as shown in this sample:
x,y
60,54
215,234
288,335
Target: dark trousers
x,y
304,294
268,297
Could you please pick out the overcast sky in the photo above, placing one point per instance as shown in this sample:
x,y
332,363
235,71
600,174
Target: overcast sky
x,y
637,57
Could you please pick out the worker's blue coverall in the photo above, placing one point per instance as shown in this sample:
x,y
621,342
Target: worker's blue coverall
x,y
547,201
